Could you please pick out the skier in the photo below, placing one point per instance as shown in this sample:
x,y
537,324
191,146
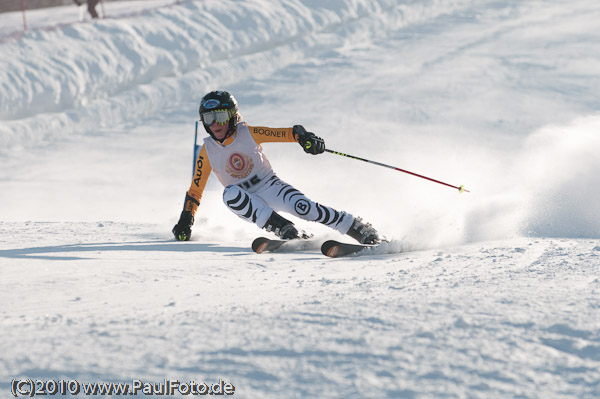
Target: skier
x,y
252,190
91,6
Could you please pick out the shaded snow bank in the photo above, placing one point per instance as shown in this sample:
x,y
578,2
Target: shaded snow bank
x,y
56,83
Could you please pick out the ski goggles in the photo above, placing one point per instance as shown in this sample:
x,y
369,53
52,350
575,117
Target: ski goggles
x,y
221,116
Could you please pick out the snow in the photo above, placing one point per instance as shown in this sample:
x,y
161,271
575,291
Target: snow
x,y
487,294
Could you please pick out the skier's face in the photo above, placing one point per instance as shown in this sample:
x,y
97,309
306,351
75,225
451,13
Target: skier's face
x,y
219,131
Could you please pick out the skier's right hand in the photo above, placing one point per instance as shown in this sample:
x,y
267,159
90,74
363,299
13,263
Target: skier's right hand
x,y
183,229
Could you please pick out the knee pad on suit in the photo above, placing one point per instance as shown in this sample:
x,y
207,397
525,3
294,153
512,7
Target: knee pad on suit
x,y
247,206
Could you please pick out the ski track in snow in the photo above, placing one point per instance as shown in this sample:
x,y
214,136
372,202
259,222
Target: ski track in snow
x,y
488,294
514,318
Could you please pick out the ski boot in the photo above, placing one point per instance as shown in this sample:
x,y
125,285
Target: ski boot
x,y
282,227
363,232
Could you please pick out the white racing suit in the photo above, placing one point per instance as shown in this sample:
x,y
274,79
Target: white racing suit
x,y
252,190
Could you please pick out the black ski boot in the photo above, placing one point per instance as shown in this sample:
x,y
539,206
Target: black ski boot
x,y
363,232
282,227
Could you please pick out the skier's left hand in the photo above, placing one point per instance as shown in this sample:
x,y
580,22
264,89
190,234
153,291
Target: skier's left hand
x,y
311,143
183,229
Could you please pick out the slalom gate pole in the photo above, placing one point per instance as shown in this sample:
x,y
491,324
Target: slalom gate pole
x,y
195,149
460,189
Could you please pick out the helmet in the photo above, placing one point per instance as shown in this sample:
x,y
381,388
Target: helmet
x,y
216,101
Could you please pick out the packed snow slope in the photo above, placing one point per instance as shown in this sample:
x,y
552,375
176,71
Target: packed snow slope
x,y
487,294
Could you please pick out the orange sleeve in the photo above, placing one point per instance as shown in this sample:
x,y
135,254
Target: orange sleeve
x,y
262,134
201,174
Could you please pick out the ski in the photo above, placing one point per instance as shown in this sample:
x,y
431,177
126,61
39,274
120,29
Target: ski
x,y
336,249
263,244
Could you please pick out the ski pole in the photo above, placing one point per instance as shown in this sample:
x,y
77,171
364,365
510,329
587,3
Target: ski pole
x,y
460,188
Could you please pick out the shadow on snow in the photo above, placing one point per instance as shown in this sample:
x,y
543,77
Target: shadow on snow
x,y
142,246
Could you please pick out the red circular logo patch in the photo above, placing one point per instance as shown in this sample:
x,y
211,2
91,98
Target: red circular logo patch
x,y
237,162
239,165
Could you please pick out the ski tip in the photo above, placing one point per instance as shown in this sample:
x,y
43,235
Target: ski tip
x,y
337,249
330,248
260,245
333,251
262,248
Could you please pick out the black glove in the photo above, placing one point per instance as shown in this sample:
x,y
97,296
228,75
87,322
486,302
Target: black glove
x,y
183,229
310,143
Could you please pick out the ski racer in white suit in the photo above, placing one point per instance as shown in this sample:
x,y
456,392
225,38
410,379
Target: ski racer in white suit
x,y
252,190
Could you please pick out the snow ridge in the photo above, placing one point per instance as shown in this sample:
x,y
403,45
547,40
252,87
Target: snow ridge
x,y
102,73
